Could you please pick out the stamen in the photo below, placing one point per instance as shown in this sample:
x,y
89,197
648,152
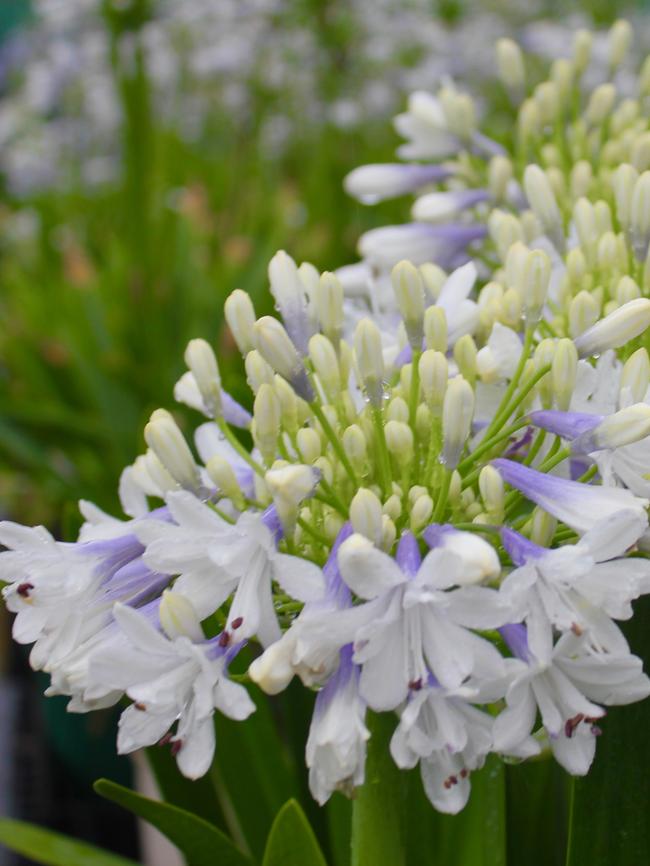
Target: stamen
x,y
24,589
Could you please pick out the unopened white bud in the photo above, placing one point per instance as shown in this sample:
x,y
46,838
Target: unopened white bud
x,y
542,200
544,354
291,299
460,112
178,617
490,484
370,360
397,410
409,292
623,427
536,277
543,527
421,512
326,365
267,418
388,533
435,329
240,316
620,38
309,444
615,330
223,475
584,218
202,363
547,98
623,182
457,414
355,446
258,372
582,43
289,486
581,179
627,290
529,120
600,104
165,439
510,63
505,230
583,313
433,278
434,374
366,515
480,560
635,378
500,173
511,307
329,307
640,216
275,346
288,404
465,356
564,371
576,265
399,440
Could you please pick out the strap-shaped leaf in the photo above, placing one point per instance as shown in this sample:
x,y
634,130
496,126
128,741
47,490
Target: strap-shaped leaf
x,y
291,841
610,815
201,843
54,849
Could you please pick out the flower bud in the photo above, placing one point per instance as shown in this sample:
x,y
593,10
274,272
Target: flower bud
x,y
600,104
627,290
388,533
581,179
202,363
433,279
618,43
457,414
548,101
223,475
289,292
165,439
289,486
397,410
393,507
433,378
623,427
399,439
583,313
409,292
528,120
564,370
178,617
544,354
505,230
366,515
326,365
465,356
355,446
510,64
511,308
491,486
275,346
635,378
623,181
582,43
288,404
325,468
435,329
370,360
267,419
240,316
615,330
500,173
640,216
421,513
329,307
309,444
258,372
542,200
543,527
536,277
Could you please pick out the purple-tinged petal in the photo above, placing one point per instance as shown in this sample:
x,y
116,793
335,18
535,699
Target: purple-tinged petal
x,y
519,548
408,554
568,425
272,521
233,412
373,183
516,637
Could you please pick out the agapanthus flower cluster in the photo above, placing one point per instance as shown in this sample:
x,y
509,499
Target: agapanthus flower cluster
x,y
447,527
578,131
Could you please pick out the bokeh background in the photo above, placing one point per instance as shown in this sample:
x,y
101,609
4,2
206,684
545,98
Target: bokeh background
x,y
153,156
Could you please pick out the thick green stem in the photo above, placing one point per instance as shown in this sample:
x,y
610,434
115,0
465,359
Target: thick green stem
x,y
378,810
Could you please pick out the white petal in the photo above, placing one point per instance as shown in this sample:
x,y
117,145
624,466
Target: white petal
x,y
367,571
298,577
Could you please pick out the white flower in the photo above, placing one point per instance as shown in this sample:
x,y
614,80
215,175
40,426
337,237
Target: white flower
x,y
336,746
563,681
440,729
415,623
170,679
579,587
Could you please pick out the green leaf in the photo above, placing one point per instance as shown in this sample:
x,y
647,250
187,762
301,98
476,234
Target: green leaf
x,y
536,800
202,843
291,841
54,849
610,816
